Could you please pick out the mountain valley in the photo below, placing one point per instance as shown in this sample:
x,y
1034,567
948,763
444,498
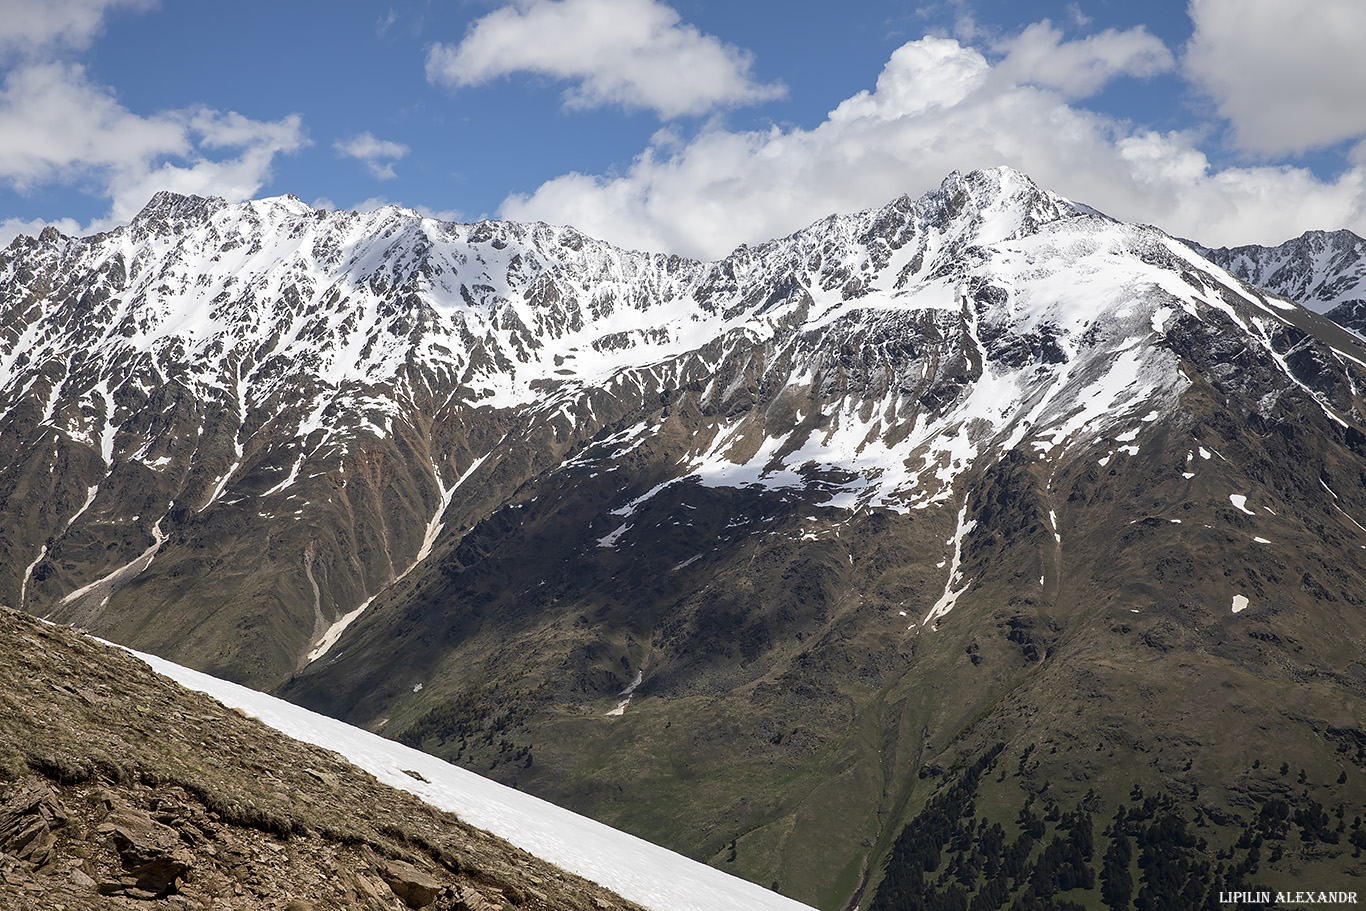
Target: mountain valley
x,y
982,497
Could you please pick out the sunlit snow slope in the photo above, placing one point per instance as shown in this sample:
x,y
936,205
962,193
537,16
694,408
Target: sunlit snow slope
x,y
633,868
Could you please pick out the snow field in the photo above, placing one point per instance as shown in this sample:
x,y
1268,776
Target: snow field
x,y
655,877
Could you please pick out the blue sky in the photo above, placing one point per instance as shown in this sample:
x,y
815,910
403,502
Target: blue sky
x,y
685,125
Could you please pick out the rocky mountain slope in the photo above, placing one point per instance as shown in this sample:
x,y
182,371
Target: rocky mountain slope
x,y
1324,271
118,788
745,557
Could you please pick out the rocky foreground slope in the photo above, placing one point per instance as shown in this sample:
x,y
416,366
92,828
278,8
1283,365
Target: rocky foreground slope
x,y
755,558
121,789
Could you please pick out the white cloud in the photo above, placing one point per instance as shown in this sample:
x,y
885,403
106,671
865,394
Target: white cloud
x,y
233,178
379,202
632,53
1079,69
1078,17
32,28
57,127
378,155
1288,76
386,22
939,106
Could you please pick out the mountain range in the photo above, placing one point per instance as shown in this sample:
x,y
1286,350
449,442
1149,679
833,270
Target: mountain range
x,y
762,559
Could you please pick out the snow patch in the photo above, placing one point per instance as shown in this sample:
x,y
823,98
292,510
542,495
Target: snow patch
x,y
630,508
105,586
1336,498
334,632
626,694
610,540
951,595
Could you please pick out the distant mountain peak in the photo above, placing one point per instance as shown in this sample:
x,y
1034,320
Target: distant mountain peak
x,y
1324,271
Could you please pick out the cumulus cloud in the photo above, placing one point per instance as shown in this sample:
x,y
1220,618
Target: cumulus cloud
x,y
1287,76
35,28
939,106
1079,69
59,127
378,155
637,54
56,126
234,177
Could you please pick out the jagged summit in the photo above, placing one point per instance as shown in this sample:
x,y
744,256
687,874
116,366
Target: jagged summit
x,y
980,207
168,214
1005,202
1001,201
168,202
539,301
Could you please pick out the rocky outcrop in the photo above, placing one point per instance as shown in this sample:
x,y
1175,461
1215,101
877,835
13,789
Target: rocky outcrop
x,y
27,821
416,888
153,855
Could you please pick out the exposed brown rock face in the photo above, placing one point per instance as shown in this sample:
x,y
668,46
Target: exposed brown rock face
x,y
120,789
152,853
27,820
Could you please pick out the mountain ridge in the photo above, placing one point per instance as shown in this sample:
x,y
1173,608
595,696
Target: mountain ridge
x,y
1322,270
245,372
